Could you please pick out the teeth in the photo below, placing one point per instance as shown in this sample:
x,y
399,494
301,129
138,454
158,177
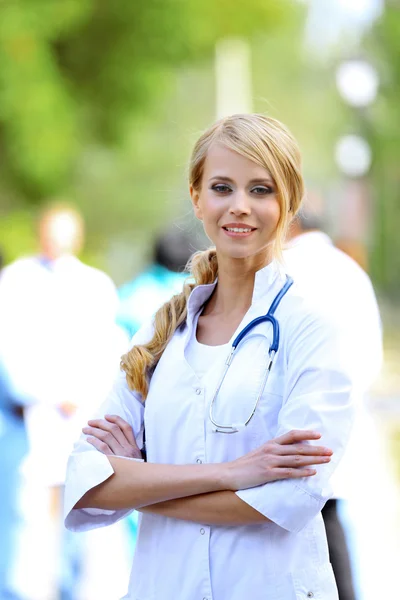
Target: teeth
x,y
238,230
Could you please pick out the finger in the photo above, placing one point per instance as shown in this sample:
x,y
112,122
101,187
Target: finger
x,y
289,473
296,435
125,428
301,461
106,437
110,428
304,449
99,445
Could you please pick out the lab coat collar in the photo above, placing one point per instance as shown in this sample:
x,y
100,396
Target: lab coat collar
x,y
65,262
264,280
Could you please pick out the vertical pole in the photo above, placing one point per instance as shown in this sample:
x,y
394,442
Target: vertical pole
x,y
233,77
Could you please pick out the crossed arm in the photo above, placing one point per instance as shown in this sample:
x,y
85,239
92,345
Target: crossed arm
x,y
202,502
215,508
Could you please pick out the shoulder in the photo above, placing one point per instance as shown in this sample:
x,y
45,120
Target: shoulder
x,y
347,265
312,340
302,317
19,269
26,262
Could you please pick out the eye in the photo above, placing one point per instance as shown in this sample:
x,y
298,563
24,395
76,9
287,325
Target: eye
x,y
221,188
262,190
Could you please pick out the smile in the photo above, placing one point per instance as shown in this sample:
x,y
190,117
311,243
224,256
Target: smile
x,y
238,231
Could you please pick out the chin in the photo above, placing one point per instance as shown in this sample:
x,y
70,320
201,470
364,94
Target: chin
x,y
236,252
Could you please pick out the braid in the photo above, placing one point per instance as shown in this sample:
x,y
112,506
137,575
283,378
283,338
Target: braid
x,y
141,360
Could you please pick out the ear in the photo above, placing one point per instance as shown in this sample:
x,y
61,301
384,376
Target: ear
x,y
195,196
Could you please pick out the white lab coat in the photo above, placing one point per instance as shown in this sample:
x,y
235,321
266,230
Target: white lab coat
x,y
335,283
59,343
308,388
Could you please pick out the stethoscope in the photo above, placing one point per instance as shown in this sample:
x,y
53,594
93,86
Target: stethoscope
x,y
268,318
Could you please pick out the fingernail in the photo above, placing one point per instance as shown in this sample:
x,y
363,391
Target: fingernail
x,y
85,429
326,459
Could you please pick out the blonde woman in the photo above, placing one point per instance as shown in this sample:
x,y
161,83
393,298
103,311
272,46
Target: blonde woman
x,y
245,418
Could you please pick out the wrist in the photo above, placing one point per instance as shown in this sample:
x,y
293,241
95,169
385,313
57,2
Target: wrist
x,y
225,477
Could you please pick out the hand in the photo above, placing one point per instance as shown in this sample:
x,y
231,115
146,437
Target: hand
x,y
67,409
285,457
112,435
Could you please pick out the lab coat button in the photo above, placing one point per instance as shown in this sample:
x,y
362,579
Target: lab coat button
x,y
198,391
202,531
199,461
310,595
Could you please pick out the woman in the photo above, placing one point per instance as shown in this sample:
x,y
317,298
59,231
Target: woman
x,y
234,484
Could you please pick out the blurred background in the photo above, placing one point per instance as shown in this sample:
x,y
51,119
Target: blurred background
x,y
100,103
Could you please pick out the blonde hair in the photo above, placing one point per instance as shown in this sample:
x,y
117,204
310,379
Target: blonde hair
x,y
268,143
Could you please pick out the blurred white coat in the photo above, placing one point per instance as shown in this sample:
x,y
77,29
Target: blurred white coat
x,y
59,344
335,282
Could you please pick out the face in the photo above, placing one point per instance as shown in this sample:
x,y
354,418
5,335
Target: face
x,y
60,234
238,204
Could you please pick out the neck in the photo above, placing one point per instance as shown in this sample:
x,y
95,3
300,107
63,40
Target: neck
x,y
236,277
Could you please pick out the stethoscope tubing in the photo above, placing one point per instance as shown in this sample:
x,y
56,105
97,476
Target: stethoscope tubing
x,y
269,317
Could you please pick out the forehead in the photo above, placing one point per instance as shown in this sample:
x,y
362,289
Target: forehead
x,y
222,161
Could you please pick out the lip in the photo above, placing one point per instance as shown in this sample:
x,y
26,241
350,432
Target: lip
x,y
237,234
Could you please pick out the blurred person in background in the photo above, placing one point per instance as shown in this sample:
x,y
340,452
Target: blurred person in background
x,y
13,448
142,297
335,282
60,348
164,277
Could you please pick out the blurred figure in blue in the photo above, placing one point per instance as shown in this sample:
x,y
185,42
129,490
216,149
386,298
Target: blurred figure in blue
x,y
336,283
143,296
60,348
13,448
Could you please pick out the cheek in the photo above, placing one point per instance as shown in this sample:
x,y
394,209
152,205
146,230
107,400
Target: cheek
x,y
211,208
271,213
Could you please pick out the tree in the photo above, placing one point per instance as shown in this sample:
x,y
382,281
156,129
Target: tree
x,y
73,73
384,129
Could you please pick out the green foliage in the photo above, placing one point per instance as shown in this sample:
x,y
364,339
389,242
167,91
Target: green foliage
x,y
37,114
75,72
384,133
17,235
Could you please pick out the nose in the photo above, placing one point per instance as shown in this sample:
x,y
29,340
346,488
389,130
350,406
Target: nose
x,y
240,204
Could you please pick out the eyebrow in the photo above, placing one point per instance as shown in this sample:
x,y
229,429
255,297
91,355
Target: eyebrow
x,y
252,181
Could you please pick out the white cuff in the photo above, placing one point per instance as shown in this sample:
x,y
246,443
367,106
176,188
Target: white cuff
x,y
284,503
85,471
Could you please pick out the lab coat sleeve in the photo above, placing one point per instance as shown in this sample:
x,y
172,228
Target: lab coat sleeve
x,y
317,396
87,467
